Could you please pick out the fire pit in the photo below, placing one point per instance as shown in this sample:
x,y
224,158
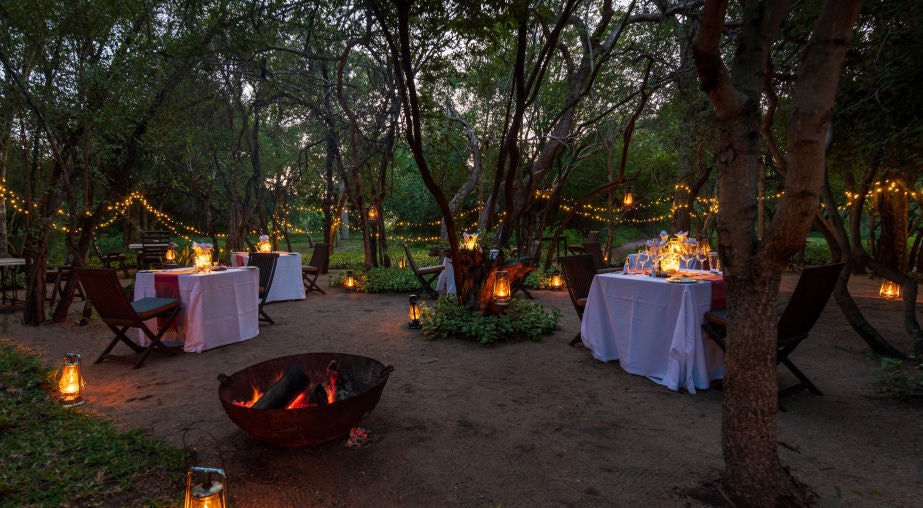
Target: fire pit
x,y
304,424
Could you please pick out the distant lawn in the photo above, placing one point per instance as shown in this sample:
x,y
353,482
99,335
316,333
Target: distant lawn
x,y
56,456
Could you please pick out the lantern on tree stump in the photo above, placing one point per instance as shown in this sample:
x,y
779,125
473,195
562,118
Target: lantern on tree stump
x,y
557,282
70,381
350,281
414,314
501,291
470,241
889,290
206,487
263,245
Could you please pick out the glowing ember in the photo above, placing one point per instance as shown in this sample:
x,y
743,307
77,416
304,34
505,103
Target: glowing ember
x,y
304,399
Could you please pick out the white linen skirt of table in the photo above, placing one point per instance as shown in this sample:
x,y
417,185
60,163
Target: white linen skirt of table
x,y
219,308
653,327
286,283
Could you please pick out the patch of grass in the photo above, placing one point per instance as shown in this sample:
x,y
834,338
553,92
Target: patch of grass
x,y
56,456
523,319
899,380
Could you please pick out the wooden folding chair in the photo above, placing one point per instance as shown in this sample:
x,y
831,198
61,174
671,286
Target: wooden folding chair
x,y
111,303
108,259
154,246
578,272
266,262
320,259
427,275
803,309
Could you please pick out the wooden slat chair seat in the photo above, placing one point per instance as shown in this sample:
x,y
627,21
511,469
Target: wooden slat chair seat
x,y
266,262
426,275
320,259
578,272
803,309
111,303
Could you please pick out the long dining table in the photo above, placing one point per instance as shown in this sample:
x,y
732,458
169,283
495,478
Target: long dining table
x,y
286,282
219,307
652,326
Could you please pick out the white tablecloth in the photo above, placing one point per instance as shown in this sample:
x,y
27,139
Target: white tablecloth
x,y
653,327
286,283
219,308
445,284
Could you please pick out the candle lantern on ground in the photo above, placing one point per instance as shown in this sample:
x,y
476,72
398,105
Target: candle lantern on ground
x,y
400,262
557,282
889,290
350,281
501,291
206,487
414,314
70,381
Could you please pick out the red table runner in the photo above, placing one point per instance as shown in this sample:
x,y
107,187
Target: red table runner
x,y
166,285
718,293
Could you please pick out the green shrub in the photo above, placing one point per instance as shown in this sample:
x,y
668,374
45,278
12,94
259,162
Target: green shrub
x,y
523,319
899,380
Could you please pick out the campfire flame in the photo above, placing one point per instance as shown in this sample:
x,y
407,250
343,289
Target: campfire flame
x,y
303,399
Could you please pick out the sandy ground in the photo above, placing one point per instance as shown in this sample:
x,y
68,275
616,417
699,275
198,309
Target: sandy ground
x,y
520,424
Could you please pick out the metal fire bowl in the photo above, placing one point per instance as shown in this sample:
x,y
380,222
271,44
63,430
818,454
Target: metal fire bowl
x,y
296,428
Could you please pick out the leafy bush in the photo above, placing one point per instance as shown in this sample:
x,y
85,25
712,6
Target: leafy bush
x,y
523,319
898,380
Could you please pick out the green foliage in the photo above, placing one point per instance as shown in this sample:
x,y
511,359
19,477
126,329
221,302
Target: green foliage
x,y
817,252
523,319
379,280
56,456
898,380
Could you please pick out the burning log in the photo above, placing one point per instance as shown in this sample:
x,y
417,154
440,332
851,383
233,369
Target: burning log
x,y
280,395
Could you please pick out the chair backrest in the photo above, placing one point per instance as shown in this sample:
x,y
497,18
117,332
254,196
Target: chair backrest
x,y
578,273
592,236
155,237
104,290
807,302
596,251
266,262
410,261
320,257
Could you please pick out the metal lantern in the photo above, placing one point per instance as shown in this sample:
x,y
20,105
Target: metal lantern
x,y
414,314
557,282
350,282
628,199
373,213
70,381
169,257
470,241
209,490
501,291
400,262
889,290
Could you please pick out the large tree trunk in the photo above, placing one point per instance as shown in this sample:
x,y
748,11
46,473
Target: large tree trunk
x,y
753,267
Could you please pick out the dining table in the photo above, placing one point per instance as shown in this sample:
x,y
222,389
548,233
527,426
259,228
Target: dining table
x,y
219,307
652,326
286,282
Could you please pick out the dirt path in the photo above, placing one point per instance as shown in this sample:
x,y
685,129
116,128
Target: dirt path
x,y
525,424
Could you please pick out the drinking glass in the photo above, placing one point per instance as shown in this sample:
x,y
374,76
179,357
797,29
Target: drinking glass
x,y
644,255
713,263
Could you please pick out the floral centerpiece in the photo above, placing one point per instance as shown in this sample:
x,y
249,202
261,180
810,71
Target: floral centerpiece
x,y
203,256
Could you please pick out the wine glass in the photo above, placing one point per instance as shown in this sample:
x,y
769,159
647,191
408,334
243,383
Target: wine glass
x,y
713,263
701,254
686,255
644,255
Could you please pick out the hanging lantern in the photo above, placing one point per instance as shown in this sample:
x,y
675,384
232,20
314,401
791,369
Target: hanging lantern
x,y
557,282
501,287
628,199
209,490
350,281
373,213
889,290
470,241
263,245
414,314
70,381
400,262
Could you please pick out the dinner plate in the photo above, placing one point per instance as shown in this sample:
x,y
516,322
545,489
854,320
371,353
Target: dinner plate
x,y
682,280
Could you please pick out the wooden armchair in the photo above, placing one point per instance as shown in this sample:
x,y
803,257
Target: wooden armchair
x,y
266,262
111,303
320,259
427,275
803,309
578,272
